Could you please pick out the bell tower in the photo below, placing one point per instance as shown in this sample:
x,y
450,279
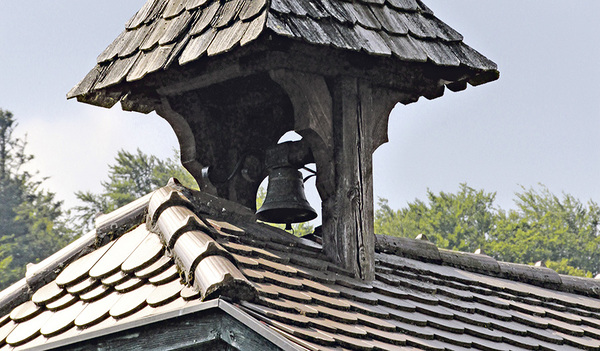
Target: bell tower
x,y
231,77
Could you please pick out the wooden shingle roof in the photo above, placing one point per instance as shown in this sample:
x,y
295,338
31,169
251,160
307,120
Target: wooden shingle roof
x,y
166,33
423,298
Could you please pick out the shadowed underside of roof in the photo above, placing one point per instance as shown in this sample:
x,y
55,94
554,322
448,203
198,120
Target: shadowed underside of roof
x,y
167,33
422,298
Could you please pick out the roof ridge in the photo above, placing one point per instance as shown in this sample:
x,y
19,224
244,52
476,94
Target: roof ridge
x,y
206,264
422,249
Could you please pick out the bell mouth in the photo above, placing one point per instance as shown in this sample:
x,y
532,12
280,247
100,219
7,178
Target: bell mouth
x,y
275,214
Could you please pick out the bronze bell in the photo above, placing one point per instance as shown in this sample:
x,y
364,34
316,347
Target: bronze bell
x,y
285,201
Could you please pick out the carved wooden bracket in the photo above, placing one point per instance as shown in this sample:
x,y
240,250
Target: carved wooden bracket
x,y
187,142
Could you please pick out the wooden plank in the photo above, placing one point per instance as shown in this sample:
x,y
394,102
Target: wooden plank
x,y
113,49
227,38
279,26
405,47
295,7
173,8
439,54
228,12
194,4
372,42
336,38
313,9
279,6
134,41
117,71
158,30
252,9
310,31
140,17
205,18
88,82
336,11
418,25
390,20
353,41
175,28
346,224
445,32
365,16
254,29
410,5
197,46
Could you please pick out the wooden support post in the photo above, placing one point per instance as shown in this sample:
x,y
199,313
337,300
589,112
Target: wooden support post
x,y
348,215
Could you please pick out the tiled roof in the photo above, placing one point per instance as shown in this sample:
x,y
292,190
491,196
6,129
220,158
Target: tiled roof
x,y
182,257
176,32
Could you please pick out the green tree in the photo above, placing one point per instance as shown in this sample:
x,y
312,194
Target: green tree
x,y
562,232
460,221
32,222
130,177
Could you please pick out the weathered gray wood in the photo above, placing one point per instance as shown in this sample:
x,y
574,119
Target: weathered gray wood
x,y
252,9
409,248
254,29
175,28
174,8
227,38
347,220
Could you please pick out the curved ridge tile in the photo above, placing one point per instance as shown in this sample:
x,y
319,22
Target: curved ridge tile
x,y
477,262
218,274
191,247
176,220
164,198
526,273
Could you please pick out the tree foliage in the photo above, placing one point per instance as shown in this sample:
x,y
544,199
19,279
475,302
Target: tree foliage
x,y
32,222
562,232
131,176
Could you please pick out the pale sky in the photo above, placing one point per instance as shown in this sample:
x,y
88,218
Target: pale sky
x,y
539,123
